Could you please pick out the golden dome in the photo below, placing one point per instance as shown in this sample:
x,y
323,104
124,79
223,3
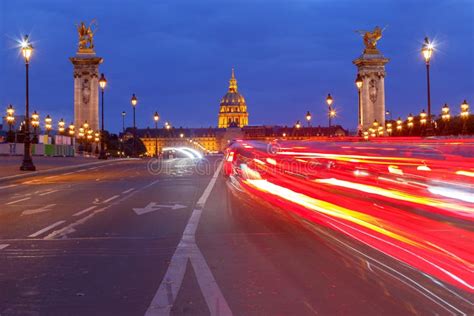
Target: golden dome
x,y
232,97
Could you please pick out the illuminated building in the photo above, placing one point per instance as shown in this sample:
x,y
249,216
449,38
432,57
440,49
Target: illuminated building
x,y
233,109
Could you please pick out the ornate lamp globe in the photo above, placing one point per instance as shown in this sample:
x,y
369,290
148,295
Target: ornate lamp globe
x,y
359,82
134,100
102,81
156,117
329,99
427,50
308,116
26,48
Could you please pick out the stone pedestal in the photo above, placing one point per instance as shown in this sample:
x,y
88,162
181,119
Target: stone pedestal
x,y
86,89
371,67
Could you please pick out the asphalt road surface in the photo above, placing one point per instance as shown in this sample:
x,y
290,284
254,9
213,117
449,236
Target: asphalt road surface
x,y
139,237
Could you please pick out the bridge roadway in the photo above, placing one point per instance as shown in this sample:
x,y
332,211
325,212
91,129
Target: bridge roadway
x,y
138,237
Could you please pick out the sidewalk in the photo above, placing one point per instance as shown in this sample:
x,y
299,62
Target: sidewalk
x,y
10,165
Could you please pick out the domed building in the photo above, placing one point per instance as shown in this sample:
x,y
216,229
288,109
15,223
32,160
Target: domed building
x,y
233,109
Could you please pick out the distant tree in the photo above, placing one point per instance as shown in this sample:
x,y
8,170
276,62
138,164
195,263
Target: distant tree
x,y
128,147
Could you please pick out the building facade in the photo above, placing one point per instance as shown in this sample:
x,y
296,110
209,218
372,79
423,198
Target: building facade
x,y
233,109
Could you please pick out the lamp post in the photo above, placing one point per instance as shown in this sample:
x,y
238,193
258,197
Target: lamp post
x,y
61,125
102,84
123,134
27,164
71,132
423,121
427,51
34,122
329,101
389,128
445,116
156,118
410,123
464,116
399,126
359,82
10,120
308,118
48,124
134,102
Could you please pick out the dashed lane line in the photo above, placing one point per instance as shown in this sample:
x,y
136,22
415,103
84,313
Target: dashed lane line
x,y
129,190
84,211
48,192
110,199
42,231
16,201
8,186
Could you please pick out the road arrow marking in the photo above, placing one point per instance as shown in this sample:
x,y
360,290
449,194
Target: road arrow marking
x,y
42,209
152,206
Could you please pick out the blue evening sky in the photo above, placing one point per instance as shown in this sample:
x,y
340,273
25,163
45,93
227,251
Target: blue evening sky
x,y
176,55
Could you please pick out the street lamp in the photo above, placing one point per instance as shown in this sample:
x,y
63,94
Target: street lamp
x,y
464,115
359,82
71,130
181,135
34,122
389,128
123,133
445,116
410,123
156,118
427,51
10,120
27,164
48,124
329,101
102,84
399,125
85,125
167,125
423,118
61,125
134,102
308,118
298,124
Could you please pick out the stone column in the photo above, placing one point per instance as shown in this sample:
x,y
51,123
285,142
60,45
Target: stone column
x,y
371,67
86,89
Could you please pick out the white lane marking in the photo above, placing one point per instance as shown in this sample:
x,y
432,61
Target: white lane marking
x,y
187,249
63,232
66,174
48,192
110,199
152,206
126,191
41,231
8,186
3,246
42,209
84,211
16,201
51,177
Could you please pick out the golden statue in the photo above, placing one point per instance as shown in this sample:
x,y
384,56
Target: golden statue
x,y
86,36
371,39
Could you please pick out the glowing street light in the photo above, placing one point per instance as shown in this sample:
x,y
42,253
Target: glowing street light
x,y
85,125
156,118
71,129
427,52
464,115
61,126
298,124
134,102
102,83
329,101
389,128
359,82
423,117
308,118
27,164
399,125
48,124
